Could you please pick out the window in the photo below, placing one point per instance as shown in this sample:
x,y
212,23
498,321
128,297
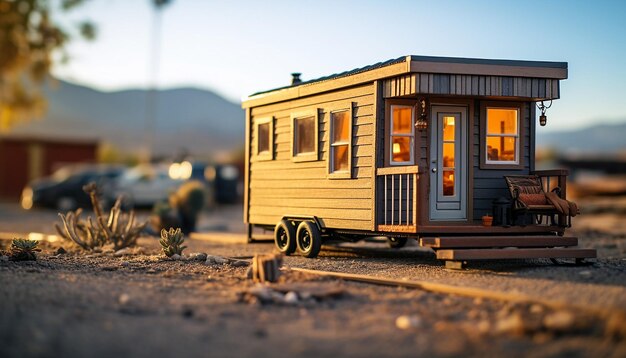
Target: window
x,y
401,135
501,139
305,137
340,158
264,138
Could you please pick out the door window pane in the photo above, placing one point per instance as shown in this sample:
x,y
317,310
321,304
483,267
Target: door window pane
x,y
448,128
448,155
305,135
448,183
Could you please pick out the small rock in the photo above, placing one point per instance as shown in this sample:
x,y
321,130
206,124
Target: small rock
x,y
176,257
513,324
109,268
483,326
559,321
220,260
187,312
122,252
124,299
124,263
291,298
585,273
197,256
240,263
60,251
408,322
535,308
151,271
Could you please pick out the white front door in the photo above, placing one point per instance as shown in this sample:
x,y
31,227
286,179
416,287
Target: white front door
x,y
448,163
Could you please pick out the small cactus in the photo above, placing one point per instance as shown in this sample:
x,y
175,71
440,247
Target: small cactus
x,y
171,242
23,250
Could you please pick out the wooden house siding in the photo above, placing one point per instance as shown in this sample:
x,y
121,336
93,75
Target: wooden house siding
x,y
282,187
471,85
489,184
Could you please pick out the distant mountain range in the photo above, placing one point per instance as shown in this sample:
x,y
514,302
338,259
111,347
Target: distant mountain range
x,y
206,124
197,120
599,138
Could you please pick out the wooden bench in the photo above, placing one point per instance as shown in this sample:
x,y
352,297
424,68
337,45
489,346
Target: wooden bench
x,y
529,197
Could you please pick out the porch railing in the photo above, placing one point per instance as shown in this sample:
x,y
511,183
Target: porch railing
x,y
397,199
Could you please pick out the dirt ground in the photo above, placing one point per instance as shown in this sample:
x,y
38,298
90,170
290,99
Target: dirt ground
x,y
141,304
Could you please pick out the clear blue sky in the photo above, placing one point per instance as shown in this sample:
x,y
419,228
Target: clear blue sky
x,y
239,47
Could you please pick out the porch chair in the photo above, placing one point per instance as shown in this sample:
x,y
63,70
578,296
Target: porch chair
x,y
529,197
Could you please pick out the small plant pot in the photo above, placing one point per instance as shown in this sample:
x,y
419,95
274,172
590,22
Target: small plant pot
x,y
487,220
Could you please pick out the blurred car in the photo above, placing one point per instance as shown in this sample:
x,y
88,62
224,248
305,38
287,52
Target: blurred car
x,y
142,186
222,180
63,190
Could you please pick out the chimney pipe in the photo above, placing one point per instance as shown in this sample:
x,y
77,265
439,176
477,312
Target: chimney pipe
x,y
295,78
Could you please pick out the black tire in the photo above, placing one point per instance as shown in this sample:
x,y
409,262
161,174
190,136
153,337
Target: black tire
x,y
396,242
285,237
309,239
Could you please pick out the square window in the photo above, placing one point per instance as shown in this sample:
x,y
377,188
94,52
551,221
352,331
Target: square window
x,y
501,139
305,137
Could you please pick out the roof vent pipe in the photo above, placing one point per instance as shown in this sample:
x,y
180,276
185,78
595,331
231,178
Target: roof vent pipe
x,y
295,78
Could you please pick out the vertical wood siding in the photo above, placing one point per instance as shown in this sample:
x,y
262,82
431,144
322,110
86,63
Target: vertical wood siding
x,y
282,187
469,85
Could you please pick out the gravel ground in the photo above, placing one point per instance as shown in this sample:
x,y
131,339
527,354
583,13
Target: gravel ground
x,y
76,305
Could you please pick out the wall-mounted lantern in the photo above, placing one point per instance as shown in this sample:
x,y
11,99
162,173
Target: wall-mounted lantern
x,y
421,123
543,119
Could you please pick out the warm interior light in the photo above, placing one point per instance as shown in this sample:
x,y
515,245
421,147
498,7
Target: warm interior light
x,y
396,148
27,198
449,121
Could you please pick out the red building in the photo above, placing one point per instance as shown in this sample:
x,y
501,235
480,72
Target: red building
x,y
25,158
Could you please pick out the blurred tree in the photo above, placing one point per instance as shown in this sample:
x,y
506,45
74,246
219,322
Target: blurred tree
x,y
29,39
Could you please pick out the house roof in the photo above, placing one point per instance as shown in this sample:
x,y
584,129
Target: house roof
x,y
432,64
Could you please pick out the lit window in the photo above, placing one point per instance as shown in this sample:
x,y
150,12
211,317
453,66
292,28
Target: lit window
x,y
340,148
502,136
402,135
265,139
305,138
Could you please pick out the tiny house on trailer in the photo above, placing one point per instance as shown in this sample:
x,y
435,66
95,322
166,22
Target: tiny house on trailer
x,y
411,148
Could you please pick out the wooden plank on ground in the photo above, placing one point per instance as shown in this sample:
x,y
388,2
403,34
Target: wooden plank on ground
x,y
227,237
489,254
497,241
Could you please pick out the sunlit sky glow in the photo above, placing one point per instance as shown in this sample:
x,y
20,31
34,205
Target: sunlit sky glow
x,y
239,47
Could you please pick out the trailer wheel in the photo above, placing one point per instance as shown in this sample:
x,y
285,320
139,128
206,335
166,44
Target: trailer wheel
x,y
396,242
309,239
285,237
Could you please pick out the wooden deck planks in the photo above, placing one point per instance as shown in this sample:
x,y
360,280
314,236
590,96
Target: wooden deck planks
x,y
497,241
491,254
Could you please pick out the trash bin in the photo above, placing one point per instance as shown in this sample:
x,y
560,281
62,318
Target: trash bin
x,y
502,212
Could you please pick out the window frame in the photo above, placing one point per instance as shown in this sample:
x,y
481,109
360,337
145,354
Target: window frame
x,y
344,174
389,132
521,115
309,156
262,156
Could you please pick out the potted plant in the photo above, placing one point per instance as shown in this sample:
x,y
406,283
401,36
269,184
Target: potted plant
x,y
487,220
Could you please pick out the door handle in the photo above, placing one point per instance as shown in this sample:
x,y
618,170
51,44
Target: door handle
x,y
434,170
